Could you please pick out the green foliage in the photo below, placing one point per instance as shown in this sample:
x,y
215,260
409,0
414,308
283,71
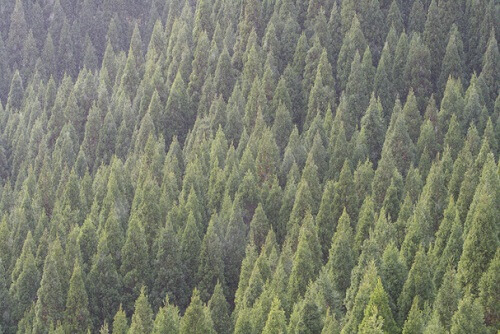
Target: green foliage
x,y
276,321
167,320
312,166
219,310
104,284
378,307
211,268
120,325
307,259
488,289
76,316
341,258
134,263
419,283
469,317
481,240
142,319
197,318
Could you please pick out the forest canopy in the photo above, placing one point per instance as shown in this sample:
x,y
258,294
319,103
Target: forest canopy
x,y
249,166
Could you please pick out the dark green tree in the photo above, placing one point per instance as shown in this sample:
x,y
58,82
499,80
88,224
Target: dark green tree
x,y
211,267
219,310
134,263
342,258
488,289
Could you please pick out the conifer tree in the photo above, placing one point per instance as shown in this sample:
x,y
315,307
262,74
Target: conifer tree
x,y
488,289
418,70
134,263
353,42
331,325
453,62
103,284
25,280
341,259
379,305
393,272
16,93
77,314
469,317
196,319
419,283
415,321
142,319
211,267
489,74
190,248
373,126
480,240
447,298
399,64
276,321
169,278
7,305
120,325
306,261
219,310
325,219
167,319
18,32
355,310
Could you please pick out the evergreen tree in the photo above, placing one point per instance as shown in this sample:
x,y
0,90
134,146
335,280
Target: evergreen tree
x,y
25,278
399,64
276,321
353,42
169,279
49,308
331,325
453,62
142,320
211,267
489,74
190,249
488,289
447,299
18,32
120,325
372,124
306,261
219,310
103,284
480,240
341,259
415,321
418,69
378,306
77,315
196,319
469,317
134,263
7,304
419,283
167,319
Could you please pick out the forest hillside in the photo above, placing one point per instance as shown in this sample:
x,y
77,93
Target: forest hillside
x,y
249,166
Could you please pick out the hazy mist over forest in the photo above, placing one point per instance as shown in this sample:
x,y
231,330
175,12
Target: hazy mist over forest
x,y
249,166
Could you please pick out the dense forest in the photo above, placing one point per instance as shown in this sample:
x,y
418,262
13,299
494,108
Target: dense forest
x,y
249,166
